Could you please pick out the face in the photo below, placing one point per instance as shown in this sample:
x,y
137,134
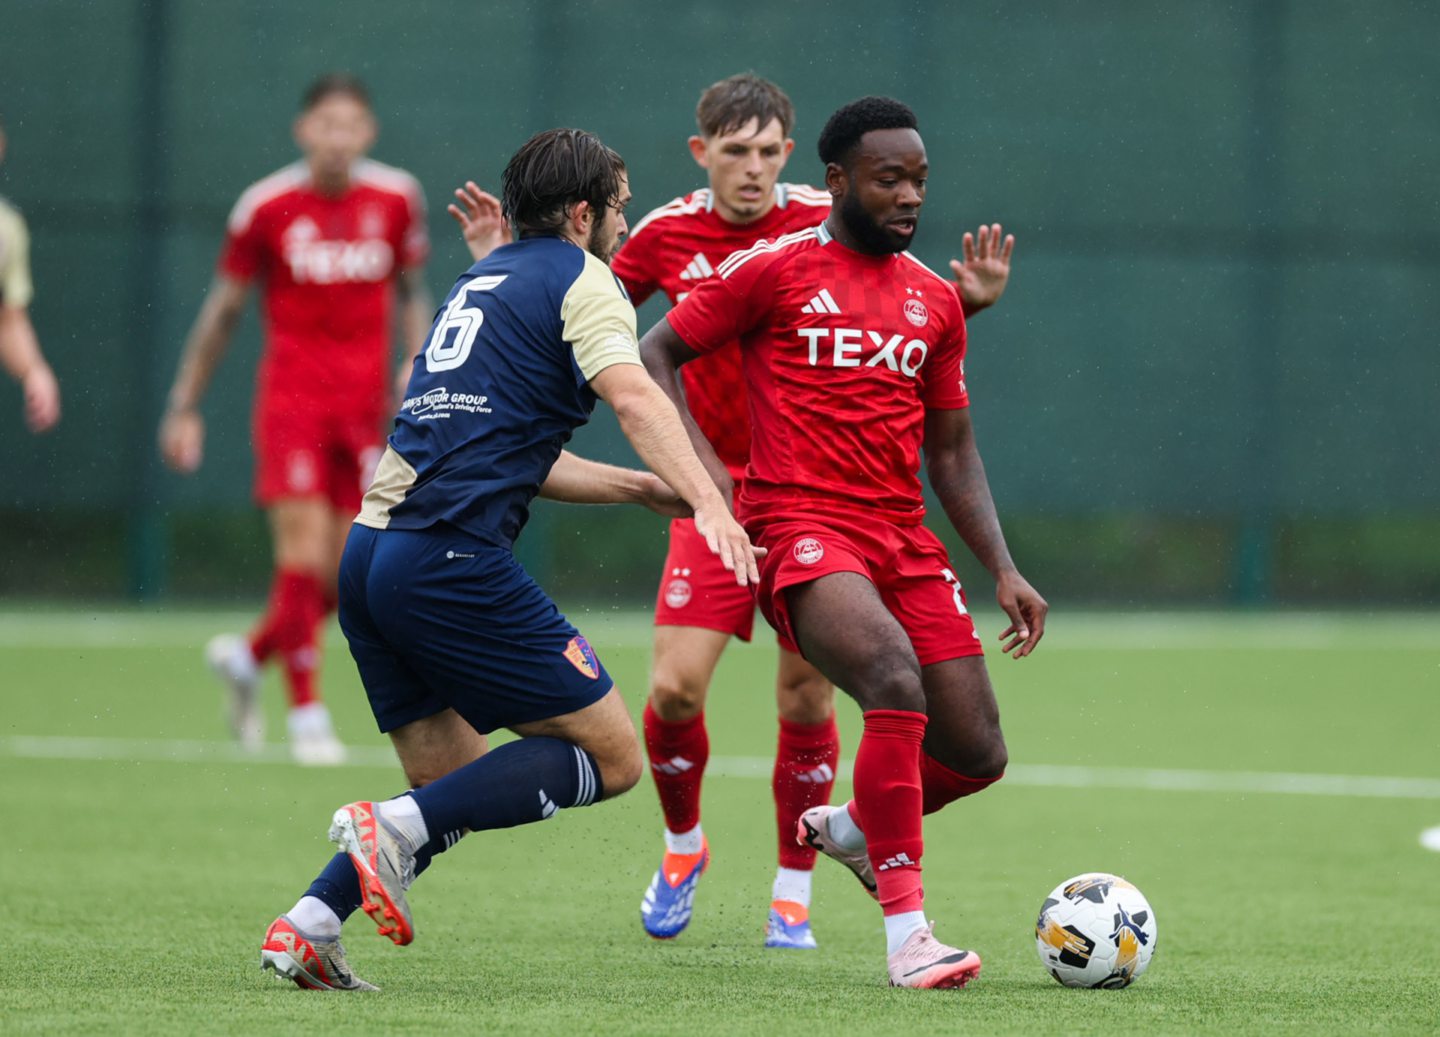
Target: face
x,y
743,166
881,193
334,134
609,231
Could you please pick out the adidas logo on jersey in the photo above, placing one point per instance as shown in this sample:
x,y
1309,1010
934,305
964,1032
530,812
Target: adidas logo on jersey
x,y
900,860
822,303
697,269
677,765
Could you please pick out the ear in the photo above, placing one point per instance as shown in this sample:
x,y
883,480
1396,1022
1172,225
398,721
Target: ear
x,y
837,181
698,152
297,131
580,221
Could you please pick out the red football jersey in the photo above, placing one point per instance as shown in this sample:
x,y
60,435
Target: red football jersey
x,y
843,353
327,267
678,246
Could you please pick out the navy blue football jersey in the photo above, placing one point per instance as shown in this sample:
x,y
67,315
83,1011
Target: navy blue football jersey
x,y
502,383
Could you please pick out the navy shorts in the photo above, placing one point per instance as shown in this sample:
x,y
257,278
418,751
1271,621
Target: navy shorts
x,y
438,620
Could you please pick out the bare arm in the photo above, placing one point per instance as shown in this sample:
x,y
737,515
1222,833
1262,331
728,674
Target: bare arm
x,y
417,311
650,422
182,431
20,354
957,476
664,352
577,480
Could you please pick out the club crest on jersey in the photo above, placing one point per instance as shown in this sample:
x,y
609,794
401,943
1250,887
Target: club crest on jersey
x,y
916,313
582,657
808,551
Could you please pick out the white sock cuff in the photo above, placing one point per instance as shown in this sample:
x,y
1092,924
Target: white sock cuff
x,y
692,841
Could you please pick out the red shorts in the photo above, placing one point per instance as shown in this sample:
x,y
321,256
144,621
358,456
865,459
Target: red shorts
x,y
696,590
907,564
309,449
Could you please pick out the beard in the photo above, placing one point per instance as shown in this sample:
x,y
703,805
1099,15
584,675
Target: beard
x,y
604,243
871,236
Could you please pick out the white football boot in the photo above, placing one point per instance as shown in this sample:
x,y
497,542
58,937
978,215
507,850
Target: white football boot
x,y
229,657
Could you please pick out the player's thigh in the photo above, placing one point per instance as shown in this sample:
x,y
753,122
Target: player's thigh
x,y
479,633
803,695
964,730
604,730
432,747
302,529
844,628
684,661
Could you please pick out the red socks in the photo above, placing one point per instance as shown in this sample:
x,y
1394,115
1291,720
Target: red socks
x,y
803,777
888,801
296,607
677,752
941,785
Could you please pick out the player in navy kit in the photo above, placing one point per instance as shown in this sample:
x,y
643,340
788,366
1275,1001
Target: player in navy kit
x,y
451,637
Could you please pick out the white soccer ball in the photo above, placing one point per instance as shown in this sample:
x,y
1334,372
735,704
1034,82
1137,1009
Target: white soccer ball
x,y
1095,930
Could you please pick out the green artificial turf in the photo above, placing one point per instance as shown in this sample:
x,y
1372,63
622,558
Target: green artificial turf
x,y
143,860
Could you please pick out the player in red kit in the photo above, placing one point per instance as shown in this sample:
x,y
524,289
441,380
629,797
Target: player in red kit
x,y
853,353
332,241
743,144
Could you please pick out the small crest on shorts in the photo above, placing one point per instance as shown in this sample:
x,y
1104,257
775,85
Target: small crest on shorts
x,y
808,551
678,593
582,657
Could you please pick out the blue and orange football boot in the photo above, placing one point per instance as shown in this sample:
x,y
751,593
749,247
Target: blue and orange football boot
x,y
313,963
789,926
669,902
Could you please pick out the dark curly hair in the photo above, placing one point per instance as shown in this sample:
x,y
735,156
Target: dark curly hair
x,y
551,173
844,129
330,83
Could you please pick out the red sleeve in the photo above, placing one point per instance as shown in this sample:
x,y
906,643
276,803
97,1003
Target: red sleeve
x,y
945,372
631,264
415,244
243,254
722,309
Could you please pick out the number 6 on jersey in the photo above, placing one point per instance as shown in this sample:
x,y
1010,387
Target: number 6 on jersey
x,y
454,333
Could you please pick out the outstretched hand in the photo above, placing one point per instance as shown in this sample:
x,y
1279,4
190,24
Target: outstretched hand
x,y
482,223
982,278
1026,609
727,538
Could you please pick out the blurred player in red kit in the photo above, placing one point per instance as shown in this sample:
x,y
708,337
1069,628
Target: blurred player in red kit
x,y
743,143
853,354
332,240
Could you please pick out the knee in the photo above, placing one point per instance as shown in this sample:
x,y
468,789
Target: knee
x,y
676,695
892,686
982,756
807,699
621,773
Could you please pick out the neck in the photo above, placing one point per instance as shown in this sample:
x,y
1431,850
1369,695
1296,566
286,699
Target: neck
x,y
841,233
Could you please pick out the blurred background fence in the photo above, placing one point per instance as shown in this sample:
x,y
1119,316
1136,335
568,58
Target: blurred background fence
x,y
1214,379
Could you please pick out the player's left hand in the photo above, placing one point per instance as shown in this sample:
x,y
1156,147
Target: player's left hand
x,y
1026,609
42,398
482,223
728,539
656,494
982,278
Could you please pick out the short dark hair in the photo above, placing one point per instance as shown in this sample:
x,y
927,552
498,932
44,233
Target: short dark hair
x,y
728,105
844,129
551,173
334,83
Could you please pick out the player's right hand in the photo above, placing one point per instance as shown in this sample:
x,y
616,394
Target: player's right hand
x,y
482,223
42,399
182,440
728,539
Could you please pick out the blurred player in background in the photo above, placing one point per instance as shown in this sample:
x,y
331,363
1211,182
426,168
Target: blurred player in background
x,y
853,354
452,638
332,240
743,143
19,348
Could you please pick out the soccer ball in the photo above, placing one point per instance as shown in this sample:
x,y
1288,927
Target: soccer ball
x,y
1095,930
